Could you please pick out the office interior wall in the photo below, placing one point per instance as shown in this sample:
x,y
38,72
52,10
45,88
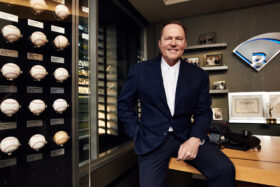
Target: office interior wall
x,y
234,27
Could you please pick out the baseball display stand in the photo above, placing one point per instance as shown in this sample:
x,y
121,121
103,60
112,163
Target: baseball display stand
x,y
36,93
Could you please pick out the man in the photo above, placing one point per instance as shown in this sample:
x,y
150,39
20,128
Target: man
x,y
170,92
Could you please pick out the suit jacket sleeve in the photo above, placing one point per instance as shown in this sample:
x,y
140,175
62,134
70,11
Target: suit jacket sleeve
x,y
203,111
127,104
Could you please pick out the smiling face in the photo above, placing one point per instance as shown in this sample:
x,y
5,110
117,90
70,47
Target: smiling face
x,y
172,43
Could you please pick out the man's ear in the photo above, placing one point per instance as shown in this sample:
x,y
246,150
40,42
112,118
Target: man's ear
x,y
159,44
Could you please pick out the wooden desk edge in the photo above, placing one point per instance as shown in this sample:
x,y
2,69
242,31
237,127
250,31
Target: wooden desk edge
x,y
246,170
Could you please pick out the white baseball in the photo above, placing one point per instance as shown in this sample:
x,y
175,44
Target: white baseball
x,y
38,39
11,33
9,106
60,42
61,11
38,72
37,142
10,71
37,106
60,138
61,74
9,145
38,5
60,105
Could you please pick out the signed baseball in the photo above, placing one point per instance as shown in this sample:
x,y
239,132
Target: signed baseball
x,y
60,105
61,42
11,33
38,5
37,106
9,145
10,71
61,74
38,39
38,72
37,142
60,138
9,106
61,11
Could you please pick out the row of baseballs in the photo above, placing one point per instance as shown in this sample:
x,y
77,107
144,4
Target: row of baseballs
x,y
11,33
10,106
61,11
11,71
10,144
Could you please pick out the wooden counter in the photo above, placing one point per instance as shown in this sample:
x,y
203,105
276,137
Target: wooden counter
x,y
256,166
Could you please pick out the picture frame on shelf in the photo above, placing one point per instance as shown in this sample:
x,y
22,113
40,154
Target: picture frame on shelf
x,y
211,60
217,113
208,38
192,60
219,85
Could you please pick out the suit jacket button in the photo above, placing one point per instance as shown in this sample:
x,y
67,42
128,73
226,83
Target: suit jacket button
x,y
165,134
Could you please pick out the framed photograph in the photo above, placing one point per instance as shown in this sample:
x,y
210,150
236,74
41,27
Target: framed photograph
x,y
192,60
219,85
246,107
208,38
272,101
217,114
213,60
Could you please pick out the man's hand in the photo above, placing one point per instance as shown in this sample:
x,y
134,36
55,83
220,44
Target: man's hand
x,y
188,150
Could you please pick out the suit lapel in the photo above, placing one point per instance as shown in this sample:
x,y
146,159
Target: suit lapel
x,y
184,78
156,78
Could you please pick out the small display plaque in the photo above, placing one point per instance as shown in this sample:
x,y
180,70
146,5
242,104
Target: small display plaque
x,y
9,53
34,56
34,23
8,89
8,125
34,123
57,152
34,157
57,59
57,121
57,29
57,90
9,17
8,162
33,89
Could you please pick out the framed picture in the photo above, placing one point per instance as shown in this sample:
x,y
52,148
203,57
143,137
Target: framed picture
x,y
208,38
213,60
219,85
272,101
217,114
192,60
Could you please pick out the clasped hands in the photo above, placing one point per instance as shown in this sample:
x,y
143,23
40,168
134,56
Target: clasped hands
x,y
189,149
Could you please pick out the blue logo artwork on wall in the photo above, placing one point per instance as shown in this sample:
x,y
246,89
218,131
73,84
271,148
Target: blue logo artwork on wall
x,y
259,50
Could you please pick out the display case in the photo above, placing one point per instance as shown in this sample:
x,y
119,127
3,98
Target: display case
x,y
44,66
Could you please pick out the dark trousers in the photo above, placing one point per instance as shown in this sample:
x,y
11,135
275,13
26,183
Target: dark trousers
x,y
210,161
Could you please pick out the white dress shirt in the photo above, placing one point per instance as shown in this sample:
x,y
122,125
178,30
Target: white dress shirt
x,y
170,76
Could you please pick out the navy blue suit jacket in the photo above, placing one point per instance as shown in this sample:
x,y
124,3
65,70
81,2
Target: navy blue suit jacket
x,y
144,82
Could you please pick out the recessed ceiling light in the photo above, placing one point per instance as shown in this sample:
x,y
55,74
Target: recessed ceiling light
x,y
171,2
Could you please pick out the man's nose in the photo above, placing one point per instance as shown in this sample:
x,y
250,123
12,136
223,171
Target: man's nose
x,y
173,41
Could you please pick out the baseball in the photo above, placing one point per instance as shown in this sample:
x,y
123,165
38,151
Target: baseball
x,y
9,106
60,138
9,145
61,11
11,33
38,72
60,105
37,106
38,5
60,42
10,71
38,39
37,142
61,74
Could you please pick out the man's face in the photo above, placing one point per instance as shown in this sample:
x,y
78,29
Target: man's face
x,y
172,43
